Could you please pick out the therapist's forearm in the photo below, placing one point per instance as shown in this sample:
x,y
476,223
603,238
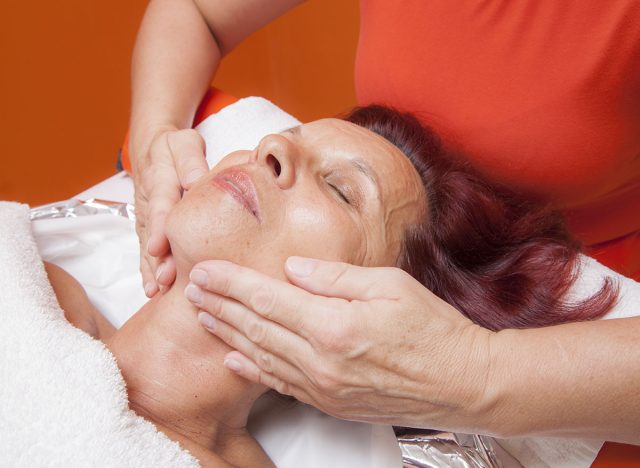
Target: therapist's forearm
x,y
574,380
174,59
179,47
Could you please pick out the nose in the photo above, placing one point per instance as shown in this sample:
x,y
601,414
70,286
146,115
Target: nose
x,y
278,154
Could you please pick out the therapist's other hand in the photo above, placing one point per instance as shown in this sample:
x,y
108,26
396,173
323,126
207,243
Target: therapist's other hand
x,y
367,344
174,161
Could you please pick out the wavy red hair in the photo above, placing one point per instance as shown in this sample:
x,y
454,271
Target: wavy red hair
x,y
500,259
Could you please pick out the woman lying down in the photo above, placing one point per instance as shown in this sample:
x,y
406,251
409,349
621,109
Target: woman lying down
x,y
374,189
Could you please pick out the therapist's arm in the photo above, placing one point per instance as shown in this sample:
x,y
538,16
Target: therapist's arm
x,y
574,380
179,46
372,344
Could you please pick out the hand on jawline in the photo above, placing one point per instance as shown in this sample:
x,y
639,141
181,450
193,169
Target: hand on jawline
x,y
337,336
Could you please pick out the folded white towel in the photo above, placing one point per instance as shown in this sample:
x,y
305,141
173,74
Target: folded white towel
x,y
63,400
241,125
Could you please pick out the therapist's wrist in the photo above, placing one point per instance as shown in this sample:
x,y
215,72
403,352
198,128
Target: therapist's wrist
x,y
478,398
459,396
504,405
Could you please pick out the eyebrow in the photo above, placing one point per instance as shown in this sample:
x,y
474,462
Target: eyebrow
x,y
359,164
365,168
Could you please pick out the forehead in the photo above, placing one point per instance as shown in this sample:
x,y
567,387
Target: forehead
x,y
402,195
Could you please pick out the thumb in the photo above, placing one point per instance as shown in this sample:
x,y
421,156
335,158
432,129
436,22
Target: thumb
x,y
337,279
188,151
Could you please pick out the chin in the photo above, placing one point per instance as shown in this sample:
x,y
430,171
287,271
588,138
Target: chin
x,y
199,231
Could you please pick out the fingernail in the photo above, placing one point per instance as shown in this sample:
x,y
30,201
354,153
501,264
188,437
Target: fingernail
x,y
161,268
199,277
207,320
149,288
232,364
192,176
301,266
194,294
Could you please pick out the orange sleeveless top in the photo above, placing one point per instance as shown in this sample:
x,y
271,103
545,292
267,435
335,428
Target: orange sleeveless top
x,y
541,96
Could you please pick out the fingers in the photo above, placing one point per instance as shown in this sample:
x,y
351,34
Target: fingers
x,y
166,271
246,368
262,360
336,279
187,149
236,319
164,193
148,281
273,299
173,161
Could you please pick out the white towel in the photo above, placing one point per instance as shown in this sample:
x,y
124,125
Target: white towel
x,y
241,125
63,400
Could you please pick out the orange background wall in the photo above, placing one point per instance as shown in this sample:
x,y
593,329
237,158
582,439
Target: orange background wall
x,y
64,83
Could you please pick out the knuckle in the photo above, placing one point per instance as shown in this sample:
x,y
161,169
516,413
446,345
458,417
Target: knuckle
x,y
339,272
220,283
215,305
337,337
265,362
277,384
282,387
229,338
263,300
256,332
325,380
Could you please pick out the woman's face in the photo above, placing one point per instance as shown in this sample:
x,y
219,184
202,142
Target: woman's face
x,y
328,189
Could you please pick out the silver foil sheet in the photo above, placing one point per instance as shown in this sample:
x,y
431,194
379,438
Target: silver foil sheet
x,y
74,208
434,449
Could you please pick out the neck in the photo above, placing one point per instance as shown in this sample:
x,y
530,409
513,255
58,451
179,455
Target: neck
x,y
175,377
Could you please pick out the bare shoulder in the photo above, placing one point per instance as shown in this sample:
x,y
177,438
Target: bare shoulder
x,y
77,308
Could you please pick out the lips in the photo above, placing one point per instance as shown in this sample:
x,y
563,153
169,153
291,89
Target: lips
x,y
239,185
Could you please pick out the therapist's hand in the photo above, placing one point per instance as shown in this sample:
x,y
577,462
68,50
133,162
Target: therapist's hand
x,y
367,344
174,160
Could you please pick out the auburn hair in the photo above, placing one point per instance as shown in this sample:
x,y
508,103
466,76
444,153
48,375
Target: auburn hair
x,y
502,260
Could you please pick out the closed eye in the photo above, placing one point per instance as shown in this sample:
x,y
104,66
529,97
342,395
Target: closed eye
x,y
340,194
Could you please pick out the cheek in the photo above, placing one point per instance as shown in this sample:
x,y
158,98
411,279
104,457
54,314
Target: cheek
x,y
205,225
315,228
